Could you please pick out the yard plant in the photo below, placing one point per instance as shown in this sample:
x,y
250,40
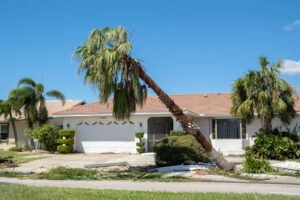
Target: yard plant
x,y
275,145
66,141
174,150
264,93
105,61
140,145
256,166
46,135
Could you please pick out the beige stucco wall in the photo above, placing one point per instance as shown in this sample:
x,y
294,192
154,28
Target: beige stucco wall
x,y
22,126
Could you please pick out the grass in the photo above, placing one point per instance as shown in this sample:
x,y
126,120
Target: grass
x,y
18,192
16,158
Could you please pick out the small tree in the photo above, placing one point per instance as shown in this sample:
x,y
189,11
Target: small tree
x,y
264,93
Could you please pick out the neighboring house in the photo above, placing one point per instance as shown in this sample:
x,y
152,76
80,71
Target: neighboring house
x,y
6,131
98,132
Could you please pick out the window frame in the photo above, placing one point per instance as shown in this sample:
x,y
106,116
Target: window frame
x,y
7,134
242,125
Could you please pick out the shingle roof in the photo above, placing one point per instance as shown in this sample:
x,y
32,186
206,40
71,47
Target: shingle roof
x,y
55,106
202,104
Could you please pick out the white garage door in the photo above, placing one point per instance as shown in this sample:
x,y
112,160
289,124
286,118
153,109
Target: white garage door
x,y
105,136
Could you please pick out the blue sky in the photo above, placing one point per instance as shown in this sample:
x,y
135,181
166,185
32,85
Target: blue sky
x,y
186,46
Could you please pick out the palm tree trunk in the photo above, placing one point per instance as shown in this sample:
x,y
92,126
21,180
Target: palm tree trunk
x,y
187,123
13,124
267,124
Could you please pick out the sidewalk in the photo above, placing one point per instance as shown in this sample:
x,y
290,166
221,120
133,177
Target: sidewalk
x,y
265,188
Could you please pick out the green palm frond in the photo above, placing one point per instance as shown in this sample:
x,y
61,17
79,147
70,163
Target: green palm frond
x,y
57,94
263,92
27,82
103,64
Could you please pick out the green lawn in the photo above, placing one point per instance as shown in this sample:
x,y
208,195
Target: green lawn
x,y
17,192
17,158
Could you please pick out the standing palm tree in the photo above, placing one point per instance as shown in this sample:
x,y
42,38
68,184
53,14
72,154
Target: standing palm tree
x,y
106,63
30,96
264,93
6,110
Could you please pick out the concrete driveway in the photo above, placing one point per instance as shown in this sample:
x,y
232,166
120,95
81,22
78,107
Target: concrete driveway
x,y
45,162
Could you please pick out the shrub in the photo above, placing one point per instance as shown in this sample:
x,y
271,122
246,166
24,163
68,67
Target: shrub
x,y
46,135
275,145
69,141
139,135
66,141
141,150
140,145
174,150
177,133
256,166
66,133
64,149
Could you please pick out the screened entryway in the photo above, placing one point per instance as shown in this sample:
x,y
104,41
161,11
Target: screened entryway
x,y
228,129
158,127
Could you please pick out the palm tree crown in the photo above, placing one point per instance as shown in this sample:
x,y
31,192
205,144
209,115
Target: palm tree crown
x,y
103,62
30,96
264,93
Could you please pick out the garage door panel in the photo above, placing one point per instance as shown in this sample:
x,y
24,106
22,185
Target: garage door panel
x,y
107,147
100,138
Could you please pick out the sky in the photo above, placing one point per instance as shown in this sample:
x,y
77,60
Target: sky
x,y
185,46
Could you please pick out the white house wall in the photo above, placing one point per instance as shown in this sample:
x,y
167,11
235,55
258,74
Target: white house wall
x,y
129,146
205,126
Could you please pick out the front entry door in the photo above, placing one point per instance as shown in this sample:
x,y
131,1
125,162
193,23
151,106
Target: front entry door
x,y
158,128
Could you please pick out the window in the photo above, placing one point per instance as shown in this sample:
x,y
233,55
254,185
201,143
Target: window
x,y
226,128
213,129
4,131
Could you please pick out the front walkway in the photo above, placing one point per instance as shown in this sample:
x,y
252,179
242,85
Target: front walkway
x,y
285,189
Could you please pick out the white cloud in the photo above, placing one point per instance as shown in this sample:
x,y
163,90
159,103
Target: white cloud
x,y
291,26
291,67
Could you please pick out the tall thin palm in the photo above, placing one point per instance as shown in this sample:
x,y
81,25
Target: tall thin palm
x,y
264,93
106,63
30,96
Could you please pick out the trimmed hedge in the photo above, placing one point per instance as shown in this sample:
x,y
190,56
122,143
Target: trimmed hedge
x,y
177,133
66,133
66,141
141,150
139,135
174,150
140,145
64,149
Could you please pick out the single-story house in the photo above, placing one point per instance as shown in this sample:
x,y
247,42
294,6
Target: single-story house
x,y
98,132
6,131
